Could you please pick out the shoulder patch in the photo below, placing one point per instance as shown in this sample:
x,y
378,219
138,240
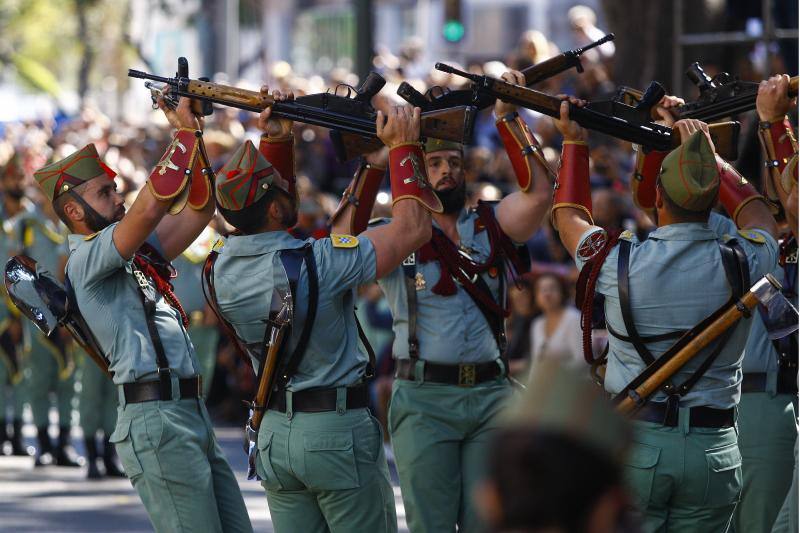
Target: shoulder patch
x,y
343,241
752,236
591,245
92,236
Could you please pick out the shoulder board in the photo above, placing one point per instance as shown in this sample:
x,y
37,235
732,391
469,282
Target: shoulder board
x,y
343,241
92,236
752,236
627,235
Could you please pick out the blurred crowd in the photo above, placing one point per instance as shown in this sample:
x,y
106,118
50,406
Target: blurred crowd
x,y
543,320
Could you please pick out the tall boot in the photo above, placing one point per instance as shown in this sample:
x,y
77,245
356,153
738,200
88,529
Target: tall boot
x,y
17,448
4,436
91,457
64,455
44,454
110,459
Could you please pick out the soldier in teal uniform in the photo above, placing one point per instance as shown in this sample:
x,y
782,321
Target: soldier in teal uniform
x,y
50,367
97,406
320,452
13,204
119,275
684,469
203,325
448,306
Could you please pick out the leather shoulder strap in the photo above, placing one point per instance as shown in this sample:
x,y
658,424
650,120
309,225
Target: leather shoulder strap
x,y
292,261
623,284
409,276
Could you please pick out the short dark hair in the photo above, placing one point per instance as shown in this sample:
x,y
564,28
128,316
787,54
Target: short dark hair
x,y
681,213
59,202
252,218
548,480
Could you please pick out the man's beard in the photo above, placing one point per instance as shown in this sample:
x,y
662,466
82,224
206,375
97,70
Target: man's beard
x,y
453,199
94,220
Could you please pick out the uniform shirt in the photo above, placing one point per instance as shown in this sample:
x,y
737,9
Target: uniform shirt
x,y
759,352
109,299
450,329
247,271
676,280
9,244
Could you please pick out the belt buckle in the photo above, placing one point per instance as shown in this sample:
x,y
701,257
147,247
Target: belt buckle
x,y
466,375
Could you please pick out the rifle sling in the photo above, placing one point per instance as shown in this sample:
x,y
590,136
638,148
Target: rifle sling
x,y
149,306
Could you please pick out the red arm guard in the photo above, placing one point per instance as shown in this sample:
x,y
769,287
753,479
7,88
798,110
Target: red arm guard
x,y
200,187
409,177
734,190
280,153
361,194
779,145
572,187
643,184
170,177
522,148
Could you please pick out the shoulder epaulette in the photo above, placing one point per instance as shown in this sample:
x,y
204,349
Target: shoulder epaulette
x,y
752,236
343,241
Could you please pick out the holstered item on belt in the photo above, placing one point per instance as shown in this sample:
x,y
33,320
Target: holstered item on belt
x,y
150,391
666,413
319,400
572,188
522,149
463,375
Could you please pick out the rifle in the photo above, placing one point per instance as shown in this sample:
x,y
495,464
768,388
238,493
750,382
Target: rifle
x,y
722,96
611,117
267,375
440,98
353,118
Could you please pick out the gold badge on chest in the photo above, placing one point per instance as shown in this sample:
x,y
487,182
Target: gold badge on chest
x,y
419,281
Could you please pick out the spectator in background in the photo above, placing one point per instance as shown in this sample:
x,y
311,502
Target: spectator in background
x,y
555,334
582,19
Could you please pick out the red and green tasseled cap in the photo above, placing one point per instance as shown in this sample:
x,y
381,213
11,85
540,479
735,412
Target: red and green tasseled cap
x,y
438,145
245,178
73,170
689,174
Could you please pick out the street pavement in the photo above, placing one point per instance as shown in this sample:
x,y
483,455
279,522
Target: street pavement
x,y
51,499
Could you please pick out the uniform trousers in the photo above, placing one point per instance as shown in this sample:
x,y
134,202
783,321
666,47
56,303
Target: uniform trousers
x,y
767,435
47,371
325,471
98,398
169,452
439,436
684,479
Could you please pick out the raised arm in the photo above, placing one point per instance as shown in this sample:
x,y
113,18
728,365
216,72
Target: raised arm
x,y
413,197
520,214
166,184
572,200
355,208
778,145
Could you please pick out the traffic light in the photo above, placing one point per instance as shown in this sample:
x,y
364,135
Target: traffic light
x,y
453,28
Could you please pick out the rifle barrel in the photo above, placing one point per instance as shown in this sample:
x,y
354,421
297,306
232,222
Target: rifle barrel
x,y
598,42
132,73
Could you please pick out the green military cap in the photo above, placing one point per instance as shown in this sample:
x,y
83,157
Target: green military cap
x,y
689,174
73,170
245,178
438,145
564,401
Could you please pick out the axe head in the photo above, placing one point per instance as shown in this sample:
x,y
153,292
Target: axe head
x,y
778,314
36,293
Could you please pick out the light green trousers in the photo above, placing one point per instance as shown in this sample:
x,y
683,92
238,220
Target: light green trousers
x,y
47,371
170,454
767,436
439,437
684,479
325,472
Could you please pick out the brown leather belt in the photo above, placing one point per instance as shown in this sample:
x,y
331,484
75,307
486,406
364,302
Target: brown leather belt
x,y
150,391
463,375
700,417
319,400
